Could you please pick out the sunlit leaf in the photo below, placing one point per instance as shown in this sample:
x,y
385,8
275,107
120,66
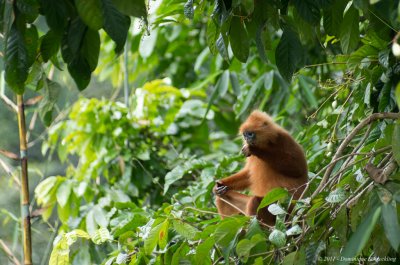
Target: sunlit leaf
x,y
273,196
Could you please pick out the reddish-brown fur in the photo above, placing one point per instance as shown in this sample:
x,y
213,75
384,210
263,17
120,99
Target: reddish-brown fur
x,y
274,160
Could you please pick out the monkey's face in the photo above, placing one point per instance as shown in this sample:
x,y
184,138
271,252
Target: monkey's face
x,y
259,130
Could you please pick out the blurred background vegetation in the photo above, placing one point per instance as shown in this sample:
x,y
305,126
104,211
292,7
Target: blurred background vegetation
x,y
131,121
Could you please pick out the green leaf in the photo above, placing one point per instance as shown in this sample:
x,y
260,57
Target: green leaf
x,y
180,254
172,176
152,239
184,229
16,60
90,12
360,237
163,234
306,83
278,238
220,89
391,224
255,88
397,94
336,196
60,253
308,10
269,80
30,8
51,91
290,259
222,47
312,252
333,17
244,246
100,216
212,34
80,72
63,192
56,13
202,256
273,196
31,43
239,39
275,209
396,143
349,31
384,97
294,230
101,235
50,44
135,8
115,24
227,230
289,53
91,48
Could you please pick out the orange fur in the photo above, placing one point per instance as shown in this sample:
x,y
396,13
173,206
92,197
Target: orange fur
x,y
274,160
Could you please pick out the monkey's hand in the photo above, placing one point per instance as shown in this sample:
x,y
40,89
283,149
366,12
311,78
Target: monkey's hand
x,y
246,150
220,189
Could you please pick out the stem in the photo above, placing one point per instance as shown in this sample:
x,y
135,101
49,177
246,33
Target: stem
x,y
26,219
126,75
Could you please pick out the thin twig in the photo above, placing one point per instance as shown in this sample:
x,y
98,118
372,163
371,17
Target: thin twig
x,y
9,253
9,172
348,139
3,96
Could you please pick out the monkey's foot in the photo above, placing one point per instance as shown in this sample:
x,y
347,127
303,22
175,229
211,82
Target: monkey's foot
x,y
220,189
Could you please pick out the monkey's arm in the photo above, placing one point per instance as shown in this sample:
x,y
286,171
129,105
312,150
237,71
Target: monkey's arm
x,y
238,181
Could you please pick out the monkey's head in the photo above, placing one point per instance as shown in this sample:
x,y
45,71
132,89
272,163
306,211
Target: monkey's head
x,y
259,130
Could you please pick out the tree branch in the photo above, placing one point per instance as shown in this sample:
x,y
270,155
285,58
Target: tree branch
x,y
348,139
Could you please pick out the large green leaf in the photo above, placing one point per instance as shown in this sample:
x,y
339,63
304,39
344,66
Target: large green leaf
x,y
91,13
278,238
360,237
349,31
30,8
135,8
16,60
308,10
289,53
333,17
63,192
116,24
273,196
212,35
91,48
239,40
396,143
56,13
391,224
202,256
50,44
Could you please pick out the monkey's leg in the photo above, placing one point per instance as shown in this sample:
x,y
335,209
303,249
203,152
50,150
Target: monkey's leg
x,y
231,203
238,181
263,214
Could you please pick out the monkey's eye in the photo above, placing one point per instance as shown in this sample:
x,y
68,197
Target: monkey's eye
x,y
265,123
249,135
